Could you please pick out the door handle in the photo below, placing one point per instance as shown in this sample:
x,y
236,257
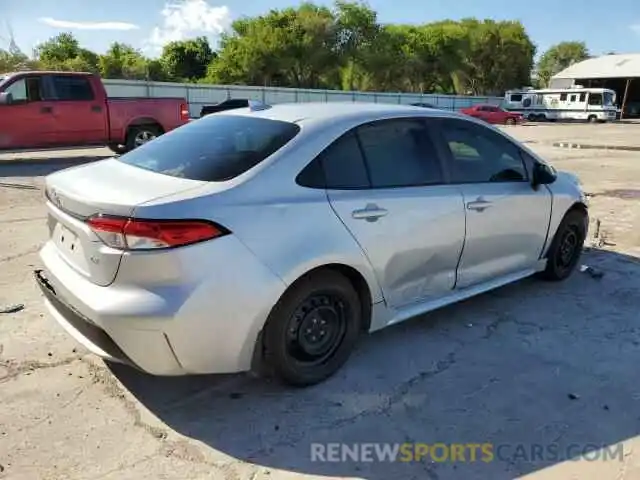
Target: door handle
x,y
96,108
479,205
46,109
370,213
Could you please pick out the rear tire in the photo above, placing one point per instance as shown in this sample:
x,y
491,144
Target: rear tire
x,y
566,248
117,148
312,330
592,119
141,134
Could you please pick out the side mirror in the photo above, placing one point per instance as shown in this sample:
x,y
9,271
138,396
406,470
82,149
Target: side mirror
x,y
6,98
542,175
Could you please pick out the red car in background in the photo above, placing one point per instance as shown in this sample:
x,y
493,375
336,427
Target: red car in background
x,y
493,114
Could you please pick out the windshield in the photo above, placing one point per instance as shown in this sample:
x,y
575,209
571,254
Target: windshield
x,y
213,149
608,99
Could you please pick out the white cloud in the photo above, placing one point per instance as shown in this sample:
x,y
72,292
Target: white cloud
x,y
636,28
187,18
52,22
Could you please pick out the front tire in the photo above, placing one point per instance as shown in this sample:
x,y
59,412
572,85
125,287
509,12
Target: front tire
x,y
313,329
566,248
510,121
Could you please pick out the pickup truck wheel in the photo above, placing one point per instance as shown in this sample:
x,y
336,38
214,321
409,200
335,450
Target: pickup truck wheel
x,y
510,121
140,135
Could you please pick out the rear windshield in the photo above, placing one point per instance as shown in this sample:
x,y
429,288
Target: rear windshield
x,y
214,148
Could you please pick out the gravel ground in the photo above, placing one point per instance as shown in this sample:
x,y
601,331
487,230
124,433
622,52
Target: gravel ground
x,y
527,367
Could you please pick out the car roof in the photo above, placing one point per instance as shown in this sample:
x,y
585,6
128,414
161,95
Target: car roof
x,y
333,111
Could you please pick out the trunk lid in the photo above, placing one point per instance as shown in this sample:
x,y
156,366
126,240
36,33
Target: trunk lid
x,y
107,187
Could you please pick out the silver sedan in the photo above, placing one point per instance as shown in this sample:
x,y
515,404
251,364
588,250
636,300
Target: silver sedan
x,y
276,235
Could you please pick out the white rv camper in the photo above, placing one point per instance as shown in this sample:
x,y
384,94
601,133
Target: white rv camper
x,y
577,103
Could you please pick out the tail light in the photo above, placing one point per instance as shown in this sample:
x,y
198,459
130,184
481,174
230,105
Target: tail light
x,y
133,234
184,112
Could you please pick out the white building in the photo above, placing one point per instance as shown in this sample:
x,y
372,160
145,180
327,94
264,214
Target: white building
x,y
620,73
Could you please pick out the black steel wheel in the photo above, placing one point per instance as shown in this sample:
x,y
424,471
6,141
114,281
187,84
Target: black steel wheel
x,y
317,327
313,329
566,248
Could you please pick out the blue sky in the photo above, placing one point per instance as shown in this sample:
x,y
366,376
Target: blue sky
x,y
147,24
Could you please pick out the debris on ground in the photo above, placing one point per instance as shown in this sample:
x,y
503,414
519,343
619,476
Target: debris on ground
x,y
594,273
600,237
12,308
596,234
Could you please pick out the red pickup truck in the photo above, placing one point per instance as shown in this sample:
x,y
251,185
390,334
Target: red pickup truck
x,y
64,109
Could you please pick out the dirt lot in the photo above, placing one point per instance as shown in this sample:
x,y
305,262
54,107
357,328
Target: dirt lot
x,y
527,367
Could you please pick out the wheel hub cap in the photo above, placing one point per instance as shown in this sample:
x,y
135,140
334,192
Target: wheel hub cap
x,y
568,248
316,329
144,137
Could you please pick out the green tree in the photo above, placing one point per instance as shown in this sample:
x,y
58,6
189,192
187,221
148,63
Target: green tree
x,y
13,59
58,49
123,61
383,64
157,71
559,57
497,57
428,54
343,47
294,47
63,52
356,34
187,59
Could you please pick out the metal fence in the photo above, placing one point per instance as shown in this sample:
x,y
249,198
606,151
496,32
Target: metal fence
x,y
198,95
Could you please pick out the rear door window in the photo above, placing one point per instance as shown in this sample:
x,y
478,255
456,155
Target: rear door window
x,y
214,149
71,87
339,167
